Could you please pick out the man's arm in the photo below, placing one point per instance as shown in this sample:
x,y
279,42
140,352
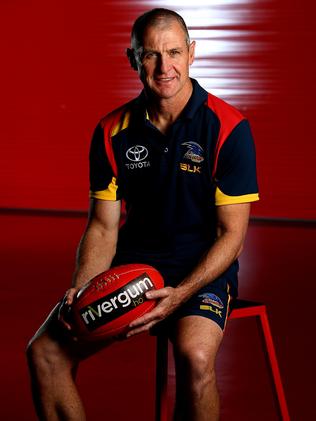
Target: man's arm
x,y
231,229
97,246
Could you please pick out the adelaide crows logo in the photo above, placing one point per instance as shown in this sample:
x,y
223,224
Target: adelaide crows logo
x,y
194,152
209,298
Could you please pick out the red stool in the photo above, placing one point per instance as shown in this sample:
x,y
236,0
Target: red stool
x,y
241,308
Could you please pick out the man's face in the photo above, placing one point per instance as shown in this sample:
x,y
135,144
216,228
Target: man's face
x,y
164,60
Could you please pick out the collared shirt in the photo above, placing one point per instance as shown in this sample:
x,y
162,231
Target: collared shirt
x,y
171,183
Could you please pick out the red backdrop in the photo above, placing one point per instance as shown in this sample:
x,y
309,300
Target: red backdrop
x,y
63,67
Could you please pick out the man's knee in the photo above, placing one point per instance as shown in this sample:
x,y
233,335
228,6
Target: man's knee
x,y
196,342
39,352
44,356
198,363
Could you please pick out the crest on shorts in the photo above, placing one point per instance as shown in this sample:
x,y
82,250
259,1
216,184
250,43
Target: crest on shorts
x,y
194,152
209,298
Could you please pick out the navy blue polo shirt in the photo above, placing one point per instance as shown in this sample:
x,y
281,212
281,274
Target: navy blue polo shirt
x,y
171,183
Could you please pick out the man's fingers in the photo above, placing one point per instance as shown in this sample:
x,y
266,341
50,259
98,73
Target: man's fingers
x,y
158,293
64,308
66,325
158,313
155,314
161,311
70,295
62,313
140,329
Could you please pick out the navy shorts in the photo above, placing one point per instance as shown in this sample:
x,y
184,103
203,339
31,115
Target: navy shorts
x,y
213,301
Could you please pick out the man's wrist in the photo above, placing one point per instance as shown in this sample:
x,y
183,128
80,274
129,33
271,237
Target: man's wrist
x,y
184,291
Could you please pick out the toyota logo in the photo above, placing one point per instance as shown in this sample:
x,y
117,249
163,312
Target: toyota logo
x,y
137,153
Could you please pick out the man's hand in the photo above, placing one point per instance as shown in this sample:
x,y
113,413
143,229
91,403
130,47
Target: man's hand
x,y
65,307
169,300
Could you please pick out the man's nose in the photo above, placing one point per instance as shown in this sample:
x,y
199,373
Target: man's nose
x,y
164,63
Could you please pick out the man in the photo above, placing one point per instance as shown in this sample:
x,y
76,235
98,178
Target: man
x,y
184,163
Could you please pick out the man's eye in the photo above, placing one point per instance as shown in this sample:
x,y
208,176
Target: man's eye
x,y
174,53
149,56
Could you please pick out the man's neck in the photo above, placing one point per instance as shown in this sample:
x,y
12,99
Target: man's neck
x,y
165,111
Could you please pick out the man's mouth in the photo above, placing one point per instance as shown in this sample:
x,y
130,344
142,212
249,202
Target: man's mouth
x,y
164,79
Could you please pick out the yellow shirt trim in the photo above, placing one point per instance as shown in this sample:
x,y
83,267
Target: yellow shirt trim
x,y
107,194
122,124
223,199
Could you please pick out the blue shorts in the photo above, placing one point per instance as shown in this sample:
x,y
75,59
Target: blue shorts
x,y
213,301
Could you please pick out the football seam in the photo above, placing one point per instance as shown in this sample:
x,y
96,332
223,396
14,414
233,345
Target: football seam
x,y
88,294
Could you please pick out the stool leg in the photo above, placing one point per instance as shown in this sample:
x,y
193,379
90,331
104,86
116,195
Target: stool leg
x,y
162,378
274,365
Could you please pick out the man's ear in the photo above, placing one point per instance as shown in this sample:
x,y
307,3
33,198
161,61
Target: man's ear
x,y
131,57
191,52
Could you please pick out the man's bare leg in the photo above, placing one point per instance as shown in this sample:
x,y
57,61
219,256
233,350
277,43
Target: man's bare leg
x,y
53,359
196,341
52,372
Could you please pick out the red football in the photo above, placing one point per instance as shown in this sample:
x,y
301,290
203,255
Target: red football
x,y
107,304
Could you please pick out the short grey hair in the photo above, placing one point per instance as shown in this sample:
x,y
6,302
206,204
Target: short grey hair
x,y
151,18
